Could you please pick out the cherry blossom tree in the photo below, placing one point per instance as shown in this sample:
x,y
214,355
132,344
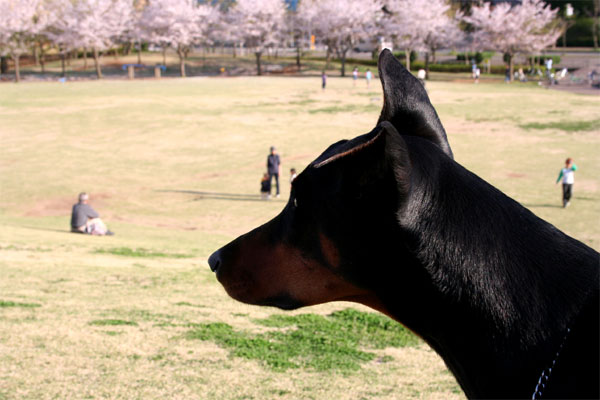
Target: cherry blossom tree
x,y
40,42
296,29
17,26
516,28
179,24
405,25
95,24
439,27
260,23
425,25
341,24
102,24
227,28
64,29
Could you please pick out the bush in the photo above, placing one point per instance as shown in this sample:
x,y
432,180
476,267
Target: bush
x,y
360,61
580,34
441,67
401,55
480,56
541,59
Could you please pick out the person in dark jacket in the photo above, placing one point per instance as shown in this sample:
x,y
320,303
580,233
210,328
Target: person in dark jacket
x,y
274,168
84,219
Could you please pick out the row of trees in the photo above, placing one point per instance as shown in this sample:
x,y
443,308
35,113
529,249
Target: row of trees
x,y
340,25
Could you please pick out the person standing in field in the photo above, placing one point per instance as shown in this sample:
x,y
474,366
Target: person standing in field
x,y
368,76
354,76
421,76
323,80
293,174
274,168
84,219
567,174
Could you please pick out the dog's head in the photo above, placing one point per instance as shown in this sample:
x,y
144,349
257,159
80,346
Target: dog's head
x,y
340,226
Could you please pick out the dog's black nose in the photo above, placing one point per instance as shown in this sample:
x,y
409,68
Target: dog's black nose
x,y
214,261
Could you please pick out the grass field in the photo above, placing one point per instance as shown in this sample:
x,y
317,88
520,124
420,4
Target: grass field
x,y
173,166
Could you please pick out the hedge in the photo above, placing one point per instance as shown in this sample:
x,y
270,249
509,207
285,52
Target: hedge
x,y
480,56
580,34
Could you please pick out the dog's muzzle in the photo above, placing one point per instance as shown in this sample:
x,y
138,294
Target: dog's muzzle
x,y
214,261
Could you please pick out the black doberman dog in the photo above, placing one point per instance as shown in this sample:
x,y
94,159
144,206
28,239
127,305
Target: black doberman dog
x,y
390,220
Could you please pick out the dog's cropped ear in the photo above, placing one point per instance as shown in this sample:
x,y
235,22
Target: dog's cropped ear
x,y
368,154
406,104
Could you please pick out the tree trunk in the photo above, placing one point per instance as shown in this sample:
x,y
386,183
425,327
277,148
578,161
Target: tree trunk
x,y
433,59
97,63
595,19
181,55
298,65
85,57
407,55
258,66
3,65
17,67
328,58
36,54
62,64
234,50
427,65
139,52
511,64
164,54
42,59
343,60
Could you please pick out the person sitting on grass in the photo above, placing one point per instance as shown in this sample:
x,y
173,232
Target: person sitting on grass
x,y
293,174
265,187
84,219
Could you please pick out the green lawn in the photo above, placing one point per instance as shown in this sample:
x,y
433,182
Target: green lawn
x,y
173,166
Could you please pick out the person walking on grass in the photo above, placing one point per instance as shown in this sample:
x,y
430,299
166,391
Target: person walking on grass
x,y
567,174
274,168
323,80
354,76
84,219
368,77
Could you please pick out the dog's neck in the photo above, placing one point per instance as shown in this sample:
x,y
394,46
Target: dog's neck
x,y
501,285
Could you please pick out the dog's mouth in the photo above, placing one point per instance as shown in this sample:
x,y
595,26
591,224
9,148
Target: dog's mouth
x,y
283,301
243,291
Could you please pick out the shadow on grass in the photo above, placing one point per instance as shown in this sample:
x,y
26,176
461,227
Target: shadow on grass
x,y
542,205
222,196
37,228
575,198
